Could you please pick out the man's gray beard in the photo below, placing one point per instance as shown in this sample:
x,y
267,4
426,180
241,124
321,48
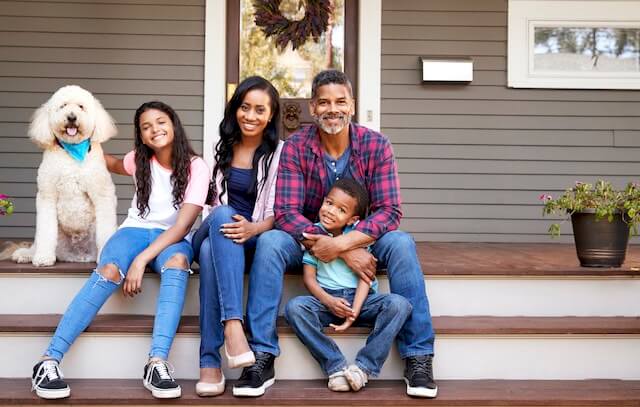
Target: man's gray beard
x,y
333,130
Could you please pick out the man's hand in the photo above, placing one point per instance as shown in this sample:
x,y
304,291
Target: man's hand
x,y
339,307
361,262
133,282
325,248
239,231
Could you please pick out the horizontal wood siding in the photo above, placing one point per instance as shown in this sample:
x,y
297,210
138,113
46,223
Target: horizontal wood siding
x,y
474,158
125,52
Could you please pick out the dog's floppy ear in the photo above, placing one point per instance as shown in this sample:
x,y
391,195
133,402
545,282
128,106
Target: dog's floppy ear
x,y
39,130
105,127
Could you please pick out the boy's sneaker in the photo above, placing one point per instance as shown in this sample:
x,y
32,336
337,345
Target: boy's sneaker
x,y
157,379
47,380
356,377
337,382
418,374
255,379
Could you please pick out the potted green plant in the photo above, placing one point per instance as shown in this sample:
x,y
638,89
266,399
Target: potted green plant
x,y
602,219
6,206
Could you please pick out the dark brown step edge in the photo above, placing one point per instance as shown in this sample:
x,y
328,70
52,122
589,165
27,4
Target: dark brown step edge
x,y
379,392
458,259
446,325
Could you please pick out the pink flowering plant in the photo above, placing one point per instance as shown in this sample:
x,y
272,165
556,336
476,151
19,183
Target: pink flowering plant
x,y
600,198
6,206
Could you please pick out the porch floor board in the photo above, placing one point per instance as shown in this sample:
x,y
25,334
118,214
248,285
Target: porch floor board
x,y
463,259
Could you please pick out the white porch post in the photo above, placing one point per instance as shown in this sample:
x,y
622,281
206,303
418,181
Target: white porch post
x,y
369,63
369,55
215,40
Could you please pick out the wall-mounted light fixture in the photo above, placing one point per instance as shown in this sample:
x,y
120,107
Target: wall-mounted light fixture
x,y
445,69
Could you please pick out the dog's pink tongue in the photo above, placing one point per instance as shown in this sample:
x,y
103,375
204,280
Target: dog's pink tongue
x,y
72,131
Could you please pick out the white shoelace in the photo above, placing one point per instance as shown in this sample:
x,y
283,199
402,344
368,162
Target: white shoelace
x,y
48,369
163,368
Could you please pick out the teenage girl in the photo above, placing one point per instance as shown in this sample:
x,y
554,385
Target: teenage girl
x,y
171,188
243,188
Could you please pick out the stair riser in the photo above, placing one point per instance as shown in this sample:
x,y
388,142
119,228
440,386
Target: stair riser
x,y
448,296
458,357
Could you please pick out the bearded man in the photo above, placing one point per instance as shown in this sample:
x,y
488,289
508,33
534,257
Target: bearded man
x,y
312,159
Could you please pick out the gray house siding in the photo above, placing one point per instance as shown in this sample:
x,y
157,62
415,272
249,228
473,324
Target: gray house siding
x,y
125,52
474,158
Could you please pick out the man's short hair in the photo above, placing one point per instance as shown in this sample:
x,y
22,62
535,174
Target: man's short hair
x,y
327,77
355,190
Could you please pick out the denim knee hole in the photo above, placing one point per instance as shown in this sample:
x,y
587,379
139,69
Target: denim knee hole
x,y
177,262
101,277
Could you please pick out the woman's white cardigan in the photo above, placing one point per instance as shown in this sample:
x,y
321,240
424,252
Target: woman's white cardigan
x,y
266,195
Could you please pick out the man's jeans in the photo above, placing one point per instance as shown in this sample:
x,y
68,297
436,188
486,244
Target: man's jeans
x,y
222,265
121,249
385,312
395,251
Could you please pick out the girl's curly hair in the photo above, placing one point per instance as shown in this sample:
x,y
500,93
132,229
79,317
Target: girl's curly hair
x,y
181,156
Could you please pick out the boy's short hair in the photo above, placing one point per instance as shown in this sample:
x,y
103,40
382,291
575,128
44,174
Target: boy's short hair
x,y
328,77
356,190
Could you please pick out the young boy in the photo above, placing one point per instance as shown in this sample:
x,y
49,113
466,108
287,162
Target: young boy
x,y
338,294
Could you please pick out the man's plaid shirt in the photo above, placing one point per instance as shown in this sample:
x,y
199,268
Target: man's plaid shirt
x,y
300,188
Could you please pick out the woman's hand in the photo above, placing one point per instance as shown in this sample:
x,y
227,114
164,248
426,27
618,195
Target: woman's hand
x,y
239,231
133,282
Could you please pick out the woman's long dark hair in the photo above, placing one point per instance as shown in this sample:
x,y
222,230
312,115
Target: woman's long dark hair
x,y
230,134
181,155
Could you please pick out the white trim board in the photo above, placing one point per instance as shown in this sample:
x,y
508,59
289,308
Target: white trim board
x,y
524,15
369,65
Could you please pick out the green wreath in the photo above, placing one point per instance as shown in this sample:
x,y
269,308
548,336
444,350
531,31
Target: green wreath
x,y
315,22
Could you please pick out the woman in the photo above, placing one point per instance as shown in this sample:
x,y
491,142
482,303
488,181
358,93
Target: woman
x,y
244,179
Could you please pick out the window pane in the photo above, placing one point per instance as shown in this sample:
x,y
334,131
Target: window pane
x,y
587,49
290,71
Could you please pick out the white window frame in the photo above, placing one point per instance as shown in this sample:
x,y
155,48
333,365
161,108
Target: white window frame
x,y
369,68
524,15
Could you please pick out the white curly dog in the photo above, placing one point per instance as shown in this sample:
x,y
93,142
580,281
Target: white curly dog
x,y
76,200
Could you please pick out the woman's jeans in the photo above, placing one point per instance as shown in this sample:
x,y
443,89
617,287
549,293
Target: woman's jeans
x,y
385,312
121,249
222,266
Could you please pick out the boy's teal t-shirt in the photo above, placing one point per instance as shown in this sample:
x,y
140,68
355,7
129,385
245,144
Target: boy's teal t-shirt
x,y
335,275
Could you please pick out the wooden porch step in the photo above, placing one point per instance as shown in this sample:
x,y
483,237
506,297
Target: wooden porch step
x,y
380,393
444,325
457,259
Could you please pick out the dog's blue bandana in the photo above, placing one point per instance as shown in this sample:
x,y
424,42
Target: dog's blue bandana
x,y
77,151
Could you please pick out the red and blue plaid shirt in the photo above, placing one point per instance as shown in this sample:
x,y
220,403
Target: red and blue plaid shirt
x,y
300,188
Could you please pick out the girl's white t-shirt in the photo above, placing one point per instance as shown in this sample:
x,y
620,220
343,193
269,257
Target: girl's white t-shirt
x,y
162,214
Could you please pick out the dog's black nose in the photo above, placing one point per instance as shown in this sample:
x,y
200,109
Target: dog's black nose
x,y
71,117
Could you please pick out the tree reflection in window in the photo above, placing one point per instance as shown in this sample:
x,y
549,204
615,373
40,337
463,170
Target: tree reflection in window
x,y
603,49
290,71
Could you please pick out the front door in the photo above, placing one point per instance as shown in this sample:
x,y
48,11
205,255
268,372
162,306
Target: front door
x,y
252,52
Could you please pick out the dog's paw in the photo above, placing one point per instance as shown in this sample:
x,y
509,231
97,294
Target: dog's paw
x,y
22,255
40,260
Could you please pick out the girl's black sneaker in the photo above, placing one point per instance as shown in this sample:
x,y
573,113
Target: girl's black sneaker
x,y
48,382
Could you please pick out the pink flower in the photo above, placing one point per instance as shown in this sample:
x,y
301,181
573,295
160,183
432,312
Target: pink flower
x,y
545,197
3,196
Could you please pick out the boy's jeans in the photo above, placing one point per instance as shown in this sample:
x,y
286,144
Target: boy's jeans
x,y
121,249
395,251
385,312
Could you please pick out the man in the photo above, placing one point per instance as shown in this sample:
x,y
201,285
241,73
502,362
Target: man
x,y
312,160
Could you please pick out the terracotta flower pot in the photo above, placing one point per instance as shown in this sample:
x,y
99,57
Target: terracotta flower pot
x,y
600,243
